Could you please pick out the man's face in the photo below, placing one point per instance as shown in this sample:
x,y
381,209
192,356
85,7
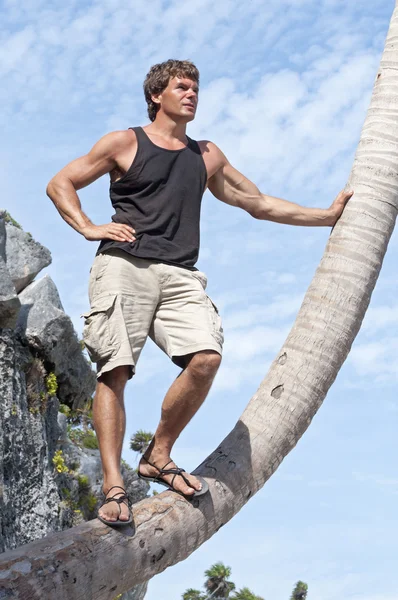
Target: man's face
x,y
180,99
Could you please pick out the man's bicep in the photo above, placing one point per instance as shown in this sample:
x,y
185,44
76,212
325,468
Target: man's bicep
x,y
99,161
231,187
84,170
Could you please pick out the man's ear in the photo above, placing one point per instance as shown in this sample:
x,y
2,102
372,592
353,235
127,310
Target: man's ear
x,y
157,99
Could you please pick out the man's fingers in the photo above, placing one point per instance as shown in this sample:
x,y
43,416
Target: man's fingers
x,y
119,237
122,232
122,226
346,195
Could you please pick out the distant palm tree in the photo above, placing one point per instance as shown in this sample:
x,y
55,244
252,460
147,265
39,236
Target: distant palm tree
x,y
217,583
245,594
140,441
300,591
192,594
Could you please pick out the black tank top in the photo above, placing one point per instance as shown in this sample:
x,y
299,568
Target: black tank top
x,y
160,197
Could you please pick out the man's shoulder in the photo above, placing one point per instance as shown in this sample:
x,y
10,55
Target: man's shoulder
x,y
121,137
206,144
212,155
116,142
208,147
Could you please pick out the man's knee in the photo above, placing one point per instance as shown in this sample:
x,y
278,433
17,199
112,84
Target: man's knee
x,y
204,365
115,379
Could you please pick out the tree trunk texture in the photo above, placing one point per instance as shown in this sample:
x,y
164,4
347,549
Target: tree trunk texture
x,y
94,562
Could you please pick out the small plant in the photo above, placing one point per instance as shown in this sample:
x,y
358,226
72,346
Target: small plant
x,y
51,384
65,493
8,219
85,439
14,410
84,484
59,462
74,465
64,409
87,501
90,440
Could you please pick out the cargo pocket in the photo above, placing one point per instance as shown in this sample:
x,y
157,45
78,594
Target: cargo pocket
x,y
100,329
201,277
216,322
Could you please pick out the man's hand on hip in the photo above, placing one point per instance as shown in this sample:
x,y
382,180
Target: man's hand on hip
x,y
111,231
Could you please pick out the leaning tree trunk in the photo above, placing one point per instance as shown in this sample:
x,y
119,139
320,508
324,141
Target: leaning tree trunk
x,y
95,562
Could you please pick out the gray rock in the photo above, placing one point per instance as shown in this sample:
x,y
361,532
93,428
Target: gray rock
x,y
63,428
2,236
29,498
44,325
9,301
25,257
35,499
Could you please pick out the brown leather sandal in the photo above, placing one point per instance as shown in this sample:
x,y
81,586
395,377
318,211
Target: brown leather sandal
x,y
177,472
119,500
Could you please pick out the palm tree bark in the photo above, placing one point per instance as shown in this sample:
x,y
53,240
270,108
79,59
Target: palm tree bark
x,y
94,562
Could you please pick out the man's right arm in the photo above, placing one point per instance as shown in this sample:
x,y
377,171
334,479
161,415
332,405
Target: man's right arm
x,y
63,187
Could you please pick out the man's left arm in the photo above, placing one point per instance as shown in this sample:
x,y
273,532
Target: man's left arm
x,y
230,186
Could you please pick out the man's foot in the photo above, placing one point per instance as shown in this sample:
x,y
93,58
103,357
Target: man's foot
x,y
166,472
116,507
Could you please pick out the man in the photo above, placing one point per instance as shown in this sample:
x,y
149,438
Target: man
x,y
143,281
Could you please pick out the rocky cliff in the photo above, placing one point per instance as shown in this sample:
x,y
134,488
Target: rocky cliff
x,y
50,470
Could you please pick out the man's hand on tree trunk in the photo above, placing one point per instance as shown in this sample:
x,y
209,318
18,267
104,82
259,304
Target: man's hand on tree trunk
x,y
338,206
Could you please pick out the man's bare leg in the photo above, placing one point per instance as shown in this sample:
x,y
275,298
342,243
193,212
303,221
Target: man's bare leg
x,y
182,401
110,425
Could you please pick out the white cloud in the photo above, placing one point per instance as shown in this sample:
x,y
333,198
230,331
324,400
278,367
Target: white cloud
x,y
281,308
376,360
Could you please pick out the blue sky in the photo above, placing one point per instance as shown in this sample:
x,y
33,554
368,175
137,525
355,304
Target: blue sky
x,y
284,91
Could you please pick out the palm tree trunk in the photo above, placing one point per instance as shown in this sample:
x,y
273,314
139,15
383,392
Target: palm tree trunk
x,y
94,562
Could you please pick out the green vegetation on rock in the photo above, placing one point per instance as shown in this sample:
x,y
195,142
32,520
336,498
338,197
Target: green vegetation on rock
x,y
59,462
51,384
65,409
8,219
84,439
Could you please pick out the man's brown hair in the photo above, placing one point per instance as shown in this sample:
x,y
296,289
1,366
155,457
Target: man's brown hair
x,y
159,76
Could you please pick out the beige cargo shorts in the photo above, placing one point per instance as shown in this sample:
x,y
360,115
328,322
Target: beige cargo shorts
x,y
133,298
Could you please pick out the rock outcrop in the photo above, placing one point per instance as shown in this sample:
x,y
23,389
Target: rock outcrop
x,y
49,331
9,301
50,468
24,256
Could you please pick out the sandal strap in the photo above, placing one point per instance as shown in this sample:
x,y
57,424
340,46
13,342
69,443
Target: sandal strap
x,y
120,500
115,486
164,466
176,471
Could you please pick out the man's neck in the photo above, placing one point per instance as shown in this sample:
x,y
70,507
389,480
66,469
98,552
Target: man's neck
x,y
167,128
